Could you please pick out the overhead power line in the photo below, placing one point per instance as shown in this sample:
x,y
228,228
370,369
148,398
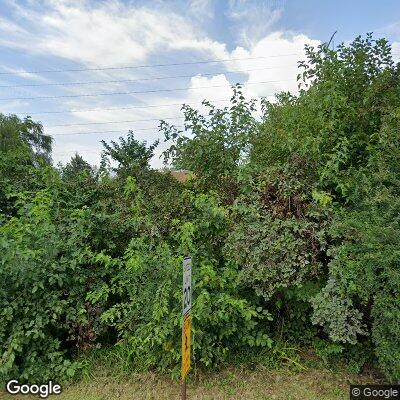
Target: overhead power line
x,y
116,108
130,92
113,122
59,153
102,132
139,79
148,65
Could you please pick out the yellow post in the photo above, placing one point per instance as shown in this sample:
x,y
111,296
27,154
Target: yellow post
x,y
187,326
187,321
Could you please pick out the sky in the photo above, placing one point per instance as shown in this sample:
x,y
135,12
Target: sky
x,y
92,70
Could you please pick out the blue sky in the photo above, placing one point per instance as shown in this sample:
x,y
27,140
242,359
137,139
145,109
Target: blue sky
x,y
97,46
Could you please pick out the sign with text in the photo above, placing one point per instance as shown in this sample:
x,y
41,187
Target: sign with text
x,y
187,327
187,286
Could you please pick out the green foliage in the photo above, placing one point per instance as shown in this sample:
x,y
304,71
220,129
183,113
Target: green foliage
x,y
148,320
351,356
75,167
292,222
345,124
41,296
334,123
15,133
24,152
386,331
130,155
213,146
277,238
336,312
365,267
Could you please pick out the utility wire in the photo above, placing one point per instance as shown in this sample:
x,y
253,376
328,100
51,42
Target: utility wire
x,y
130,92
118,122
75,151
102,132
113,122
140,79
116,108
148,65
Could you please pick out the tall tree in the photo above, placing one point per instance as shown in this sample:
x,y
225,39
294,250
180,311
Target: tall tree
x,y
24,151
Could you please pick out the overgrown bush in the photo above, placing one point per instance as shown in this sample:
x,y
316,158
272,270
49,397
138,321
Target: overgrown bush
x,y
148,319
42,290
292,222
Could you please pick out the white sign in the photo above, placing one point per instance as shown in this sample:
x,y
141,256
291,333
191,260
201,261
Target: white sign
x,y
187,286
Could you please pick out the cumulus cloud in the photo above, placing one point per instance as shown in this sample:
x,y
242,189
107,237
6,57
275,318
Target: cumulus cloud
x,y
118,34
396,51
279,54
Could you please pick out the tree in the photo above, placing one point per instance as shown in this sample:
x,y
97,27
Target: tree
x,y
214,146
130,155
77,166
24,154
336,144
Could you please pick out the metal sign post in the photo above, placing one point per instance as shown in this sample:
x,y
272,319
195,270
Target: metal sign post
x,y
187,321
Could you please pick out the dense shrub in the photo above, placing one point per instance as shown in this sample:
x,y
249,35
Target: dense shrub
x,y
365,268
148,319
277,235
42,296
292,222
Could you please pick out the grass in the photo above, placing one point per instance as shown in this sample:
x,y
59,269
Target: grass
x,y
231,383
284,372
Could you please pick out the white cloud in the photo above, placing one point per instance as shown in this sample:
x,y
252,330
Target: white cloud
x,y
396,51
109,33
65,148
11,107
22,73
204,87
281,52
10,27
392,30
201,9
254,20
116,34
11,33
392,33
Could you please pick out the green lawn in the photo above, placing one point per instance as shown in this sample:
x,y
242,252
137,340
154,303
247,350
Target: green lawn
x,y
283,384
